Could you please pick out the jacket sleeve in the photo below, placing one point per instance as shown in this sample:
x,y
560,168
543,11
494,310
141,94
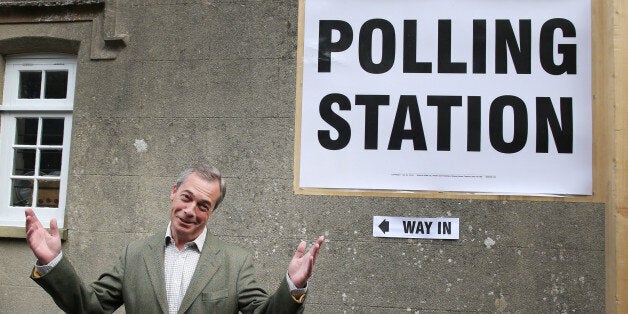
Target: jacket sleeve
x,y
68,291
252,299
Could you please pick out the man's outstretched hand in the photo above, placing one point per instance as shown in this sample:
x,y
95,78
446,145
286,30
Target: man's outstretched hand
x,y
302,264
46,246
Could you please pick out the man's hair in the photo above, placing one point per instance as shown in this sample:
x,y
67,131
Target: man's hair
x,y
208,173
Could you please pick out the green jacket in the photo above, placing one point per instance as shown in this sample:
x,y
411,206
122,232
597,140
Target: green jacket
x,y
223,282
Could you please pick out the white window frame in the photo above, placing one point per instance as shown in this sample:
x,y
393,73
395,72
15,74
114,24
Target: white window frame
x,y
13,108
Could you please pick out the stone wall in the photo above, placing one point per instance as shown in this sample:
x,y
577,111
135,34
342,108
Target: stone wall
x,y
215,81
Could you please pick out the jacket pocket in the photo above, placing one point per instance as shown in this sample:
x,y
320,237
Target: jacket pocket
x,y
215,295
218,302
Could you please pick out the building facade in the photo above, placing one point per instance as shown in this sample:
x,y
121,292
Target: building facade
x,y
104,102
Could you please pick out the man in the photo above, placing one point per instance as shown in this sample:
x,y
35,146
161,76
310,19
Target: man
x,y
185,270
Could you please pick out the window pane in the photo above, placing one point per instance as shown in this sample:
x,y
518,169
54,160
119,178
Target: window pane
x,y
26,131
30,85
50,163
52,133
21,192
48,193
24,162
56,84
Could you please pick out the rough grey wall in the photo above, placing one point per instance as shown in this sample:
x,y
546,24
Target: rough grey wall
x,y
215,81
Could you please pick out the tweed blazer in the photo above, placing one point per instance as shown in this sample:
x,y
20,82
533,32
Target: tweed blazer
x,y
223,282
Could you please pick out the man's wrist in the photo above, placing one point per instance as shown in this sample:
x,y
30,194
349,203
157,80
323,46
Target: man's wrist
x,y
298,294
42,270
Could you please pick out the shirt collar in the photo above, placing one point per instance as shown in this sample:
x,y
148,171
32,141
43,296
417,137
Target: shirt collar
x,y
199,241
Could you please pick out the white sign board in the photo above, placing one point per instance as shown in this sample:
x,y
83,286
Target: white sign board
x,y
418,228
487,96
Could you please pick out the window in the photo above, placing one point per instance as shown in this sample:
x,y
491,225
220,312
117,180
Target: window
x,y
35,129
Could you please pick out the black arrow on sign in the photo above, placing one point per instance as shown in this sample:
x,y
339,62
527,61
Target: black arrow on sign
x,y
384,226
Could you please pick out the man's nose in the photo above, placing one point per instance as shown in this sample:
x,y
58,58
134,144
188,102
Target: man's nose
x,y
189,210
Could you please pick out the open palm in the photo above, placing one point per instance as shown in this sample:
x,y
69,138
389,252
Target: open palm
x,y
46,246
302,264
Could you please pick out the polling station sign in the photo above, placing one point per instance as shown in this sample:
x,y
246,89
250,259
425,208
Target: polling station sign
x,y
486,96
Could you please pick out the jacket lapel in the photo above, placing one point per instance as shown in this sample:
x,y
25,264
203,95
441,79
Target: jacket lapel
x,y
208,265
154,259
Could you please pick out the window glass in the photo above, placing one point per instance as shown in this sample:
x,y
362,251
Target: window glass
x,y
21,192
30,85
52,133
50,163
48,193
56,85
24,162
26,131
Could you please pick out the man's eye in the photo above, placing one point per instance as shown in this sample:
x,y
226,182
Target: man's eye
x,y
185,197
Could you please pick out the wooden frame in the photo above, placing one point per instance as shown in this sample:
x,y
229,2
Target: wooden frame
x,y
613,31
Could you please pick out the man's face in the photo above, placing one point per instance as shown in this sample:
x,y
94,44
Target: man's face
x,y
192,203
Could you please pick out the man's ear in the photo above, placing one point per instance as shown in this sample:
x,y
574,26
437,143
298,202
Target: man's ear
x,y
173,192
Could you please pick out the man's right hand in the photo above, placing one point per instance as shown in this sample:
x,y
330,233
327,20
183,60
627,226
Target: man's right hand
x,y
46,246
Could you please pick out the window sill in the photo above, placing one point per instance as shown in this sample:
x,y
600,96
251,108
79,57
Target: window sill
x,y
20,233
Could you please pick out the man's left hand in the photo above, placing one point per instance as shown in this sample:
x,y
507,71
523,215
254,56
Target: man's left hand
x,y
302,264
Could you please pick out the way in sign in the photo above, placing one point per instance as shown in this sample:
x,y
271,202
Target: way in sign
x,y
424,227
414,227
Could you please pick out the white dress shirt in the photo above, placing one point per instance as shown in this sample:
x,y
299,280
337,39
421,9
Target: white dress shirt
x,y
179,266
